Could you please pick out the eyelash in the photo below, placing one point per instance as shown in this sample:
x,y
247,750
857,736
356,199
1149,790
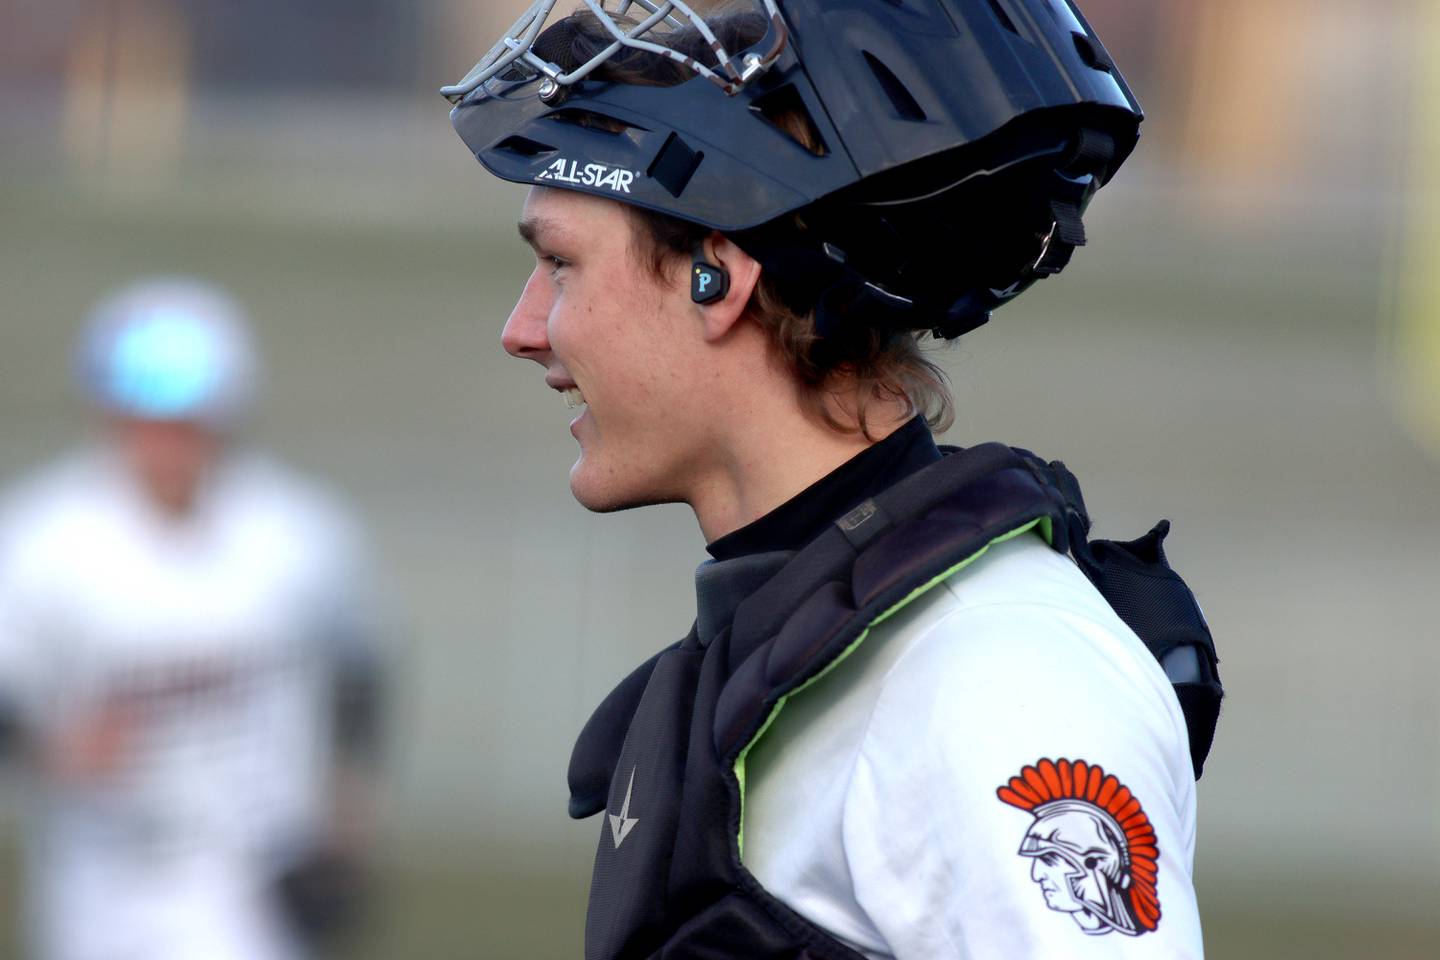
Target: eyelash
x,y
555,263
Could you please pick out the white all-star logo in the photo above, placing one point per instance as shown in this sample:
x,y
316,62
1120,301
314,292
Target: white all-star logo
x,y
1008,292
601,175
621,826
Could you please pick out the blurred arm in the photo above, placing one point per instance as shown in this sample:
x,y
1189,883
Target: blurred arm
x,y
324,889
17,651
9,730
358,695
354,648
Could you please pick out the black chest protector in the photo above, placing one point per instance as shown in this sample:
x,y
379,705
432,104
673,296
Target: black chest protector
x,y
664,754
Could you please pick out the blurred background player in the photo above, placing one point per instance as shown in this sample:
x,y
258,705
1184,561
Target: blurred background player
x,y
188,669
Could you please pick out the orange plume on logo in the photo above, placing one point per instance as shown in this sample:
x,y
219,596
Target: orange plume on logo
x,y
1051,782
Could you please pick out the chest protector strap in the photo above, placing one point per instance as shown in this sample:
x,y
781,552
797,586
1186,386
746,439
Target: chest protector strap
x,y
664,753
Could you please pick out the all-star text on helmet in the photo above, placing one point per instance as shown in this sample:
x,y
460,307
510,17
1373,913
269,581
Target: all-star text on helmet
x,y
951,146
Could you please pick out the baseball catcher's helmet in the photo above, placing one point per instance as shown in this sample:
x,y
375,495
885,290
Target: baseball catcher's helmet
x,y
949,148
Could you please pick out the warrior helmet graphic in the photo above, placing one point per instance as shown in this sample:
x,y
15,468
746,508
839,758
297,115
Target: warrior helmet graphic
x,y
1091,846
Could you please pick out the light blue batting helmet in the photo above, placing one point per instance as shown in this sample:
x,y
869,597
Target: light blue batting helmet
x,y
169,348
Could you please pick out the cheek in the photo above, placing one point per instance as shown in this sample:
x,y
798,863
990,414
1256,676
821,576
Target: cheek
x,y
608,340
569,321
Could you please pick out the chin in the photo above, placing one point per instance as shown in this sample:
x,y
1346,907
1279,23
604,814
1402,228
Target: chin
x,y
594,491
602,491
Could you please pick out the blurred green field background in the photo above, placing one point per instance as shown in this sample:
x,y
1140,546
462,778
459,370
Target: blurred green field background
x,y
1235,351
1233,381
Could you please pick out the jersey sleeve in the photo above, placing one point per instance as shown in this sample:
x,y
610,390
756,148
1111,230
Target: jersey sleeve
x,y
351,631
1023,791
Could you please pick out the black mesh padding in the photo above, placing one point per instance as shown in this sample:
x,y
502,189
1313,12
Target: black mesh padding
x,y
1136,579
557,45
1201,705
1155,603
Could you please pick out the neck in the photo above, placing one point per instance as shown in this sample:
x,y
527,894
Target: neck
x,y
774,456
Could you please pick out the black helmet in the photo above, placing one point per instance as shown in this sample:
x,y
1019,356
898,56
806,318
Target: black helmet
x,y
951,145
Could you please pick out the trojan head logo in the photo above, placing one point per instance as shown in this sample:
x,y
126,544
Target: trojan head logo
x,y
1091,846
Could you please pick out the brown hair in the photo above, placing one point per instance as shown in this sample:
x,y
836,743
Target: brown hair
x,y
871,365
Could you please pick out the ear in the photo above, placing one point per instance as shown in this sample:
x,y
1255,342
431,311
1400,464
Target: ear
x,y
720,316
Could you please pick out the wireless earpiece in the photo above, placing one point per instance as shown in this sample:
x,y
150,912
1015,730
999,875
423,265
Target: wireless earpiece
x,y
708,282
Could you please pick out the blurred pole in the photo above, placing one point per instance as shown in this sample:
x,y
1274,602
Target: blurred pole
x,y
1246,60
1416,348
127,94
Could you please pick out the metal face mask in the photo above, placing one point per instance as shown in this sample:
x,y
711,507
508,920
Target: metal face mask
x,y
513,54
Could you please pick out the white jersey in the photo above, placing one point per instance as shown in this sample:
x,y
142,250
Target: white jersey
x,y
999,771
205,646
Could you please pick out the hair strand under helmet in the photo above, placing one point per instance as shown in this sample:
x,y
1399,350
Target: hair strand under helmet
x,y
961,140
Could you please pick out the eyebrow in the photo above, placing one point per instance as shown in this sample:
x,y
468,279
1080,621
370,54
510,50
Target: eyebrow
x,y
534,230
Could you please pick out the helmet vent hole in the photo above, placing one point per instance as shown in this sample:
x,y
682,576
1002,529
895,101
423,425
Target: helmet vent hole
x,y
1003,17
674,165
1092,53
590,120
785,110
524,146
905,103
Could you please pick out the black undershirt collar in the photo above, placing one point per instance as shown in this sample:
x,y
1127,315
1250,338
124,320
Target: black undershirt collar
x,y
805,516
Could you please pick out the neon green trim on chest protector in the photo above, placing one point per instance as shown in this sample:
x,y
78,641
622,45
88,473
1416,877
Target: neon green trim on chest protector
x,y
1042,524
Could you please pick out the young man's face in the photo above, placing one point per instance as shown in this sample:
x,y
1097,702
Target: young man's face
x,y
169,458
597,318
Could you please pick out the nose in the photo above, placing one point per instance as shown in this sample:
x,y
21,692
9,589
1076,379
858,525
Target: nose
x,y
525,335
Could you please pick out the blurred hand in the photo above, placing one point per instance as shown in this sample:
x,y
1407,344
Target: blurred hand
x,y
93,747
322,895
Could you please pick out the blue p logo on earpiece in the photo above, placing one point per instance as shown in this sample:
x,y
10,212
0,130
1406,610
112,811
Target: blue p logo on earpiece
x,y
708,282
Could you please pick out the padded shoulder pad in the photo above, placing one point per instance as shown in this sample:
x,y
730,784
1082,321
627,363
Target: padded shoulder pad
x,y
951,531
816,626
592,762
807,617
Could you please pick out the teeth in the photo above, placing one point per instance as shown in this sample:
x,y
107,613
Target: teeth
x,y
574,398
